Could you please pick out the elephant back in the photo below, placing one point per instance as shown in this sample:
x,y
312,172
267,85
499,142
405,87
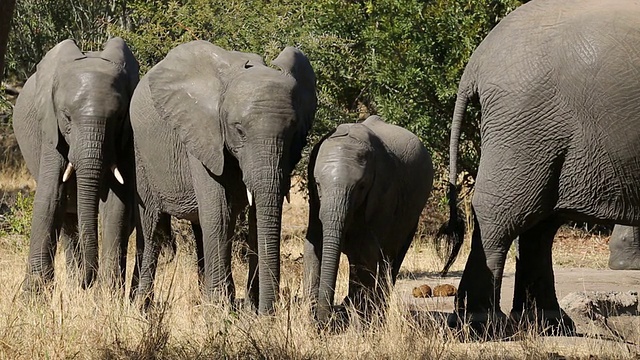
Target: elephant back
x,y
404,144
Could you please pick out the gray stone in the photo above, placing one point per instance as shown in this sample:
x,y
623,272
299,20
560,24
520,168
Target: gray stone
x,y
611,314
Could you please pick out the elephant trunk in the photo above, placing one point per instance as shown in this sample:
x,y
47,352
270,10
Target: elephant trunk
x,y
88,157
268,185
333,213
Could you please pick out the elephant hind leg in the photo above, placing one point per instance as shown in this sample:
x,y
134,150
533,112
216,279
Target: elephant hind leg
x,y
481,280
624,248
534,292
151,227
70,241
397,262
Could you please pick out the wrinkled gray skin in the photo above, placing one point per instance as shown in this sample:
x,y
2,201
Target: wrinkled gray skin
x,y
211,125
558,84
368,184
74,109
624,248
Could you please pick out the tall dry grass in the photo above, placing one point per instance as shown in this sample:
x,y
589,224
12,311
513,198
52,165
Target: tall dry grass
x,y
96,324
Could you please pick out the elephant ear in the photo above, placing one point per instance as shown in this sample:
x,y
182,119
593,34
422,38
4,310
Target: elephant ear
x,y
46,80
376,149
186,87
117,52
294,63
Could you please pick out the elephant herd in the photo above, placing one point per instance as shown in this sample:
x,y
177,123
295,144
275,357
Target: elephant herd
x,y
207,132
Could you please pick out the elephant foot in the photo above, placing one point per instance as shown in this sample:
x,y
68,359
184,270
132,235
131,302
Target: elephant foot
x,y
36,291
337,321
482,324
36,284
624,261
544,322
624,248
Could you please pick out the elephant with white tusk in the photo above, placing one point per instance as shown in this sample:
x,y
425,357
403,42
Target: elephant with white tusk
x,y
72,124
215,131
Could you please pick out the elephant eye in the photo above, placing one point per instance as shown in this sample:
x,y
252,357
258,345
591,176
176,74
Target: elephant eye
x,y
240,131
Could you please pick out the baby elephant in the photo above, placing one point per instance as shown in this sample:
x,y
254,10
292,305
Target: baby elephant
x,y
368,184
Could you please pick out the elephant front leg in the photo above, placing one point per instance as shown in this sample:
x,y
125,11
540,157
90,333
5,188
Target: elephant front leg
x,y
534,293
197,234
215,220
362,287
46,222
253,284
312,255
117,226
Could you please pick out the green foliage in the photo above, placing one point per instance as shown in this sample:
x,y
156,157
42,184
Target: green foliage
x,y
401,59
17,221
40,24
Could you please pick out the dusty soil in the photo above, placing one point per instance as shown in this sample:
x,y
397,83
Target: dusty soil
x,y
568,280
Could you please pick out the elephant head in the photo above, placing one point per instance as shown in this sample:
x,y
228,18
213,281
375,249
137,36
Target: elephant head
x,y
342,174
229,107
83,101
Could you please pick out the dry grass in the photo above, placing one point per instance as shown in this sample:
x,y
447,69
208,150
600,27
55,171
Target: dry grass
x,y
96,324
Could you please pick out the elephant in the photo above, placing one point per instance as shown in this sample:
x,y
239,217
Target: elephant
x,y
72,126
215,131
557,83
624,248
368,184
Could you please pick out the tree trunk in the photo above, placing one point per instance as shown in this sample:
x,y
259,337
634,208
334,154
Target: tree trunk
x,y
6,14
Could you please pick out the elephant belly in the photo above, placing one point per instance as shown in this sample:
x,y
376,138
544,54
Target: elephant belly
x,y
601,183
164,176
172,187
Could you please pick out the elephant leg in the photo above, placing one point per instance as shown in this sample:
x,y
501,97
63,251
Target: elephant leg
x,y
312,255
384,281
71,244
151,231
397,262
135,277
253,289
481,280
215,218
117,225
534,292
48,207
624,248
362,284
197,234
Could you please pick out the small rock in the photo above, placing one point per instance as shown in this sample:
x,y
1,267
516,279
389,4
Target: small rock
x,y
444,290
603,313
422,291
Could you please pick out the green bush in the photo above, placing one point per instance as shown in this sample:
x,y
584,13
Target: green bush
x,y
401,59
17,221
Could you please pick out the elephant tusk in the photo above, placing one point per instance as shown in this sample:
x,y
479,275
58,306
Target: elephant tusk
x,y
117,174
67,172
288,197
250,197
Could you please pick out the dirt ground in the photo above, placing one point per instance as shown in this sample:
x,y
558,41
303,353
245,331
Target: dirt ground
x,y
568,280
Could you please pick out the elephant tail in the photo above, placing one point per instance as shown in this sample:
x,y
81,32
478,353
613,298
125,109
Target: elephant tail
x,y
453,230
